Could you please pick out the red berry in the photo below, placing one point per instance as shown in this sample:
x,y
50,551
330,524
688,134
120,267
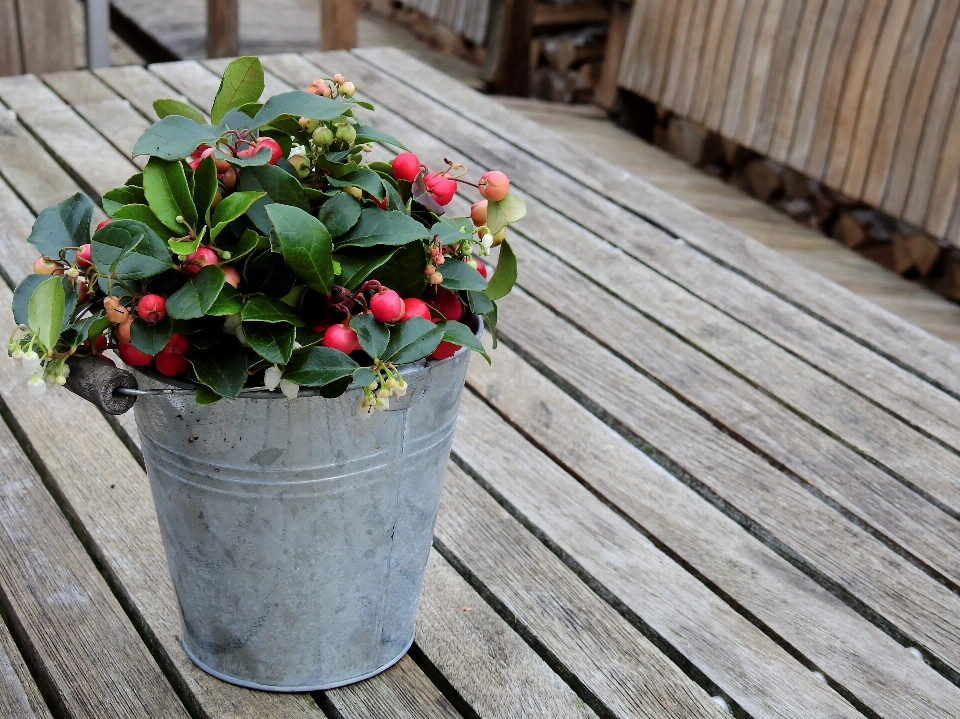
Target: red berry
x,y
494,185
447,304
176,345
122,331
478,213
152,308
406,166
382,204
482,269
116,312
45,266
387,306
103,224
132,356
269,142
232,276
194,163
201,258
170,365
83,254
443,351
440,187
341,337
199,151
415,308
83,292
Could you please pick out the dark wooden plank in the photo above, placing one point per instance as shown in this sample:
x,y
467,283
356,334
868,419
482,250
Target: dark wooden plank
x,y
338,24
223,28
46,35
605,93
853,654
507,67
904,344
592,642
20,697
11,59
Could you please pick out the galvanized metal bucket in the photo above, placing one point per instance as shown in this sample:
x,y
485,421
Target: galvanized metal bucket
x,y
297,533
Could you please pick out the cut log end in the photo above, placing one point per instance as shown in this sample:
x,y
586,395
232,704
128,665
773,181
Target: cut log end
x,y
95,379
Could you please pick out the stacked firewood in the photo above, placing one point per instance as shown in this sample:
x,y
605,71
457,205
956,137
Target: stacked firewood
x,y
899,247
566,65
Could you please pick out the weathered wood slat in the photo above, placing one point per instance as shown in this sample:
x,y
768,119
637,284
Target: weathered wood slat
x,y
11,60
759,71
665,42
679,53
582,632
610,221
722,16
852,653
68,136
745,46
338,24
892,337
140,87
19,695
111,116
733,654
692,62
46,34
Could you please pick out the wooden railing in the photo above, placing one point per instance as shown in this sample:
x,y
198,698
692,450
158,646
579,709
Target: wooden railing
x,y
37,35
860,95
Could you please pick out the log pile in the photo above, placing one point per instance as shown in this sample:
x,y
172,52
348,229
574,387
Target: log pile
x,y
566,64
896,245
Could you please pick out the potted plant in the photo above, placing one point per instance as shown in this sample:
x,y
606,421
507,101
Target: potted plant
x,y
259,252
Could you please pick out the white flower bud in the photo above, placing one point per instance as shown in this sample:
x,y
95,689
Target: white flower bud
x,y
238,331
271,378
31,361
64,370
36,387
297,150
289,389
17,357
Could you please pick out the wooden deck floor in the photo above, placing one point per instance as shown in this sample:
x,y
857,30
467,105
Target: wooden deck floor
x,y
589,128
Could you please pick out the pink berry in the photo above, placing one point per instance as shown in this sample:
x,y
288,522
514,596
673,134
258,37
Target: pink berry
x,y
122,331
340,337
275,151
232,276
415,308
199,151
482,269
387,306
45,266
132,356
441,187
443,351
478,213
152,308
406,166
83,254
201,258
447,304
494,185
103,224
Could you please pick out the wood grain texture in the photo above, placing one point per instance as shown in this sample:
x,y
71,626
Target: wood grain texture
x,y
11,59
19,695
139,87
605,93
759,73
746,44
338,24
856,655
680,51
903,343
591,640
223,28
46,35
485,660
693,58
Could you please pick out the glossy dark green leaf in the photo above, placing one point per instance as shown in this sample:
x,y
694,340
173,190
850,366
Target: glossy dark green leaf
x,y
197,295
242,83
150,339
412,340
281,188
130,249
268,309
317,366
459,275
339,213
479,303
228,302
364,376
174,137
267,272
120,196
366,133
366,180
21,296
45,311
379,227
168,106
299,104
205,187
306,245
230,208
168,195
223,367
453,230
505,276
404,272
355,268
205,395
142,213
459,334
272,341
64,225
374,336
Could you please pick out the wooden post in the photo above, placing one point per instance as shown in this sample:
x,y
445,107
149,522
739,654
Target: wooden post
x,y
98,34
338,24
223,38
10,59
46,34
605,93
508,47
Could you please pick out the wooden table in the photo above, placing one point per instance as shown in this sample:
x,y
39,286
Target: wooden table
x,y
694,469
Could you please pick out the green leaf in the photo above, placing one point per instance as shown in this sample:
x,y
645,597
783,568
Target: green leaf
x,y
354,269
505,276
374,336
379,227
317,366
453,230
366,180
242,83
165,185
228,302
222,368
142,213
21,296
175,137
299,104
248,242
339,213
459,334
120,196
64,225
268,309
502,213
261,158
45,311
281,188
150,340
197,295
479,303
205,395
180,247
365,376
366,134
129,249
404,272
232,207
267,272
272,341
135,180
205,187
412,340
459,275
169,106
306,245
